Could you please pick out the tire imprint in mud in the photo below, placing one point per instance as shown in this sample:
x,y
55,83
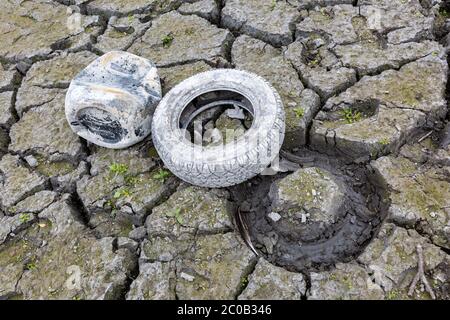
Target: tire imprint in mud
x,y
356,223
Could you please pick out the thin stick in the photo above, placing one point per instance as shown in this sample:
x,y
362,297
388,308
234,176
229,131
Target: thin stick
x,y
421,275
425,136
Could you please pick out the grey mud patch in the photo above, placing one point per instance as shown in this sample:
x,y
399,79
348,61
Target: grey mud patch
x,y
355,223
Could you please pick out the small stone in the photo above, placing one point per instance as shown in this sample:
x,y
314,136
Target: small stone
x,y
31,160
274,216
126,209
268,244
303,218
127,243
138,234
23,66
187,277
212,137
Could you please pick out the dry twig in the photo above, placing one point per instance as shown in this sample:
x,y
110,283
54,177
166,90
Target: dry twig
x,y
421,275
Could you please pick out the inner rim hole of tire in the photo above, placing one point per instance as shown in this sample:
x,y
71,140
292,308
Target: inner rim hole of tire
x,y
216,117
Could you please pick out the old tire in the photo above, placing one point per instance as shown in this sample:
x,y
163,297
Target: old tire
x,y
232,163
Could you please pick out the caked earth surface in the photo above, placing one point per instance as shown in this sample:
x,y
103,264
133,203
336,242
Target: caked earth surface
x,y
363,180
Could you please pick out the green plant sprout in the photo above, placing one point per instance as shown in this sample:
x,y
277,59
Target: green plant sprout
x,y
384,141
244,282
176,213
351,116
24,217
122,192
299,112
444,13
31,266
273,5
314,62
167,40
118,168
161,175
130,180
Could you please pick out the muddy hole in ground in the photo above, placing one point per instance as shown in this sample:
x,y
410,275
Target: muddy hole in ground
x,y
326,212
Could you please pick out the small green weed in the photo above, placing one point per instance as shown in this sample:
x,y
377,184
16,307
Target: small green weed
x,y
176,213
299,112
118,168
167,40
385,142
161,175
273,5
122,192
244,281
24,217
351,116
31,266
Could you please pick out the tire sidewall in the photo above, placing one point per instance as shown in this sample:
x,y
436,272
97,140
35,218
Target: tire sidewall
x,y
248,155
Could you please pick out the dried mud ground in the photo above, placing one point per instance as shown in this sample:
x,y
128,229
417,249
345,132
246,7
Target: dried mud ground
x,y
364,85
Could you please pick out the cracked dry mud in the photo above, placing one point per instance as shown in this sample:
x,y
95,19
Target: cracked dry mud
x,y
367,120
